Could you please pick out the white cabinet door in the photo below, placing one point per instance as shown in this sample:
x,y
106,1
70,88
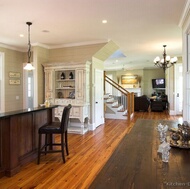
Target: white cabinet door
x,y
99,104
76,112
49,84
79,84
179,88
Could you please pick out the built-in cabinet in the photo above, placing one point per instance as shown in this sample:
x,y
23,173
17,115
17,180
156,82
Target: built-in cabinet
x,y
68,83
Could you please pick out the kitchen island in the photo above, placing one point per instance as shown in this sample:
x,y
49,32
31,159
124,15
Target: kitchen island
x,y
19,137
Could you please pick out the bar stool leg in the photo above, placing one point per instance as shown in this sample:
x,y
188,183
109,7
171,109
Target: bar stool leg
x,y
39,148
62,147
66,143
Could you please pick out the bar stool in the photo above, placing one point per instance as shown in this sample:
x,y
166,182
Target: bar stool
x,y
55,128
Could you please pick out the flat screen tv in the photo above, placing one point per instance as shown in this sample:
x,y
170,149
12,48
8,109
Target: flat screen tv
x,y
158,83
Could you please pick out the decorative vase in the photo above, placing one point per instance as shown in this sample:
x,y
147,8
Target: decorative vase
x,y
62,75
71,75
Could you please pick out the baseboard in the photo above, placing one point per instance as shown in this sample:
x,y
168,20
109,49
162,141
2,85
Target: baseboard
x,y
91,126
172,112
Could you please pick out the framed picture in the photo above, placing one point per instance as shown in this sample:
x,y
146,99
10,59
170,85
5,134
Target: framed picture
x,y
14,81
129,79
14,74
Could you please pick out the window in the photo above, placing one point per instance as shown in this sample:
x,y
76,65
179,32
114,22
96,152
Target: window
x,y
29,87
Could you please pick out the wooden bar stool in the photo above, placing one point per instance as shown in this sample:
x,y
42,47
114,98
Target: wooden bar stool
x,y
55,128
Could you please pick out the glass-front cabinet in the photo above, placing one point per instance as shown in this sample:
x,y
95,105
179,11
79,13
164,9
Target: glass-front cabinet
x,y
68,83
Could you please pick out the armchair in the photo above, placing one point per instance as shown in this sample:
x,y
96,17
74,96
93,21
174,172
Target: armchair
x,y
142,103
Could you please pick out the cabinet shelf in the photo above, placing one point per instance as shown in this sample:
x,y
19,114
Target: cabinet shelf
x,y
65,80
67,88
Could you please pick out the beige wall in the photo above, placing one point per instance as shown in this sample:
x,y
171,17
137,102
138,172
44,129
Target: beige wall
x,y
40,56
13,63
74,54
148,75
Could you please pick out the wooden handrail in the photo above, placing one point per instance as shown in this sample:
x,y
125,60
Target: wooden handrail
x,y
129,96
116,85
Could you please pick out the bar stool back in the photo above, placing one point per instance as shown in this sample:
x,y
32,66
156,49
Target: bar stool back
x,y
55,128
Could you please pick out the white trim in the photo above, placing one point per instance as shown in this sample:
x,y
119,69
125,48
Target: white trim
x,y
79,44
40,45
91,127
55,46
184,14
172,112
2,90
12,48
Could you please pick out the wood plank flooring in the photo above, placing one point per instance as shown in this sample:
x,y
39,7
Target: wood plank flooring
x,y
88,154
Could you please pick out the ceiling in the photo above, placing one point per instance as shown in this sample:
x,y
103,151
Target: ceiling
x,y
139,27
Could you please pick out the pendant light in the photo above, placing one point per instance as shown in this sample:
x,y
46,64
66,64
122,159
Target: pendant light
x,y
29,66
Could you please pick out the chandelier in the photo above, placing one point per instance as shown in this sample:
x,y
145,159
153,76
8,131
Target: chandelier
x,y
29,65
165,62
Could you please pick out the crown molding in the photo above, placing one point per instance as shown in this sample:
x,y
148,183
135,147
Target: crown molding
x,y
79,44
184,14
55,46
40,45
12,48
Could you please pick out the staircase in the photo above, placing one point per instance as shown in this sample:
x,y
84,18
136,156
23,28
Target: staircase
x,y
113,109
119,104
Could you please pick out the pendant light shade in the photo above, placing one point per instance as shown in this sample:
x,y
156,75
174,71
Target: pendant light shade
x,y
29,66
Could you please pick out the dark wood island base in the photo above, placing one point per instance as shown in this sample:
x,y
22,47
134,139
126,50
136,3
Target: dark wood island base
x,y
19,137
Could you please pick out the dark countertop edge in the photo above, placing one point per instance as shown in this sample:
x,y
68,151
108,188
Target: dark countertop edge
x,y
24,111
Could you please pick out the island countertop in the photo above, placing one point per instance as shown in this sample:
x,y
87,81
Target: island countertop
x,y
23,111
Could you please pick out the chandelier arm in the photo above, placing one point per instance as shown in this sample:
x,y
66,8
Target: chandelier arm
x,y
166,62
164,53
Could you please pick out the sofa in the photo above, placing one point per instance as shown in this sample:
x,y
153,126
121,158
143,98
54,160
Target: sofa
x,y
141,103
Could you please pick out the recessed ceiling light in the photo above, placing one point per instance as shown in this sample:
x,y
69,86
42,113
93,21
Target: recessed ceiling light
x,y
45,31
21,35
104,21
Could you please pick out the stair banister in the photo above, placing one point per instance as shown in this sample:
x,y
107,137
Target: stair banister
x,y
129,96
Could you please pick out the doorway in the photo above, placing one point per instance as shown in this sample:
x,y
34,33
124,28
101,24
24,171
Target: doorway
x,y
28,85
99,104
179,88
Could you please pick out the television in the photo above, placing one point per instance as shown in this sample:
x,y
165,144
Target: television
x,y
158,83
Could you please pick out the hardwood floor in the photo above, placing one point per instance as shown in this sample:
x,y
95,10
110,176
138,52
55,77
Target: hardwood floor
x,y
88,154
